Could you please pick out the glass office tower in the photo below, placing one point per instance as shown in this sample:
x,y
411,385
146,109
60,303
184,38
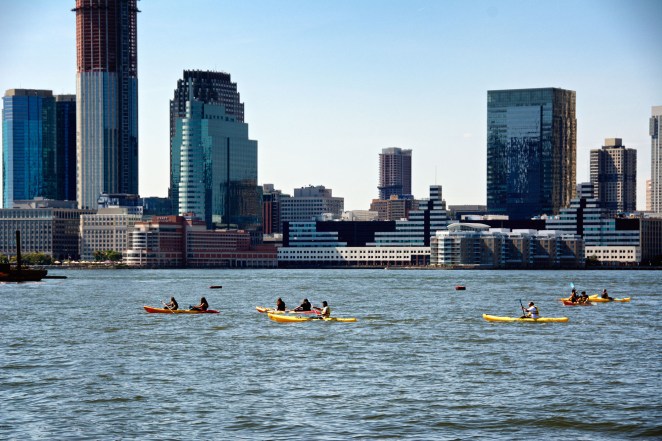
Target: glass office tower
x,y
531,151
65,108
28,146
208,87
107,99
217,176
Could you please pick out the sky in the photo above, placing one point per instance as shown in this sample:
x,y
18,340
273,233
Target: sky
x,y
328,84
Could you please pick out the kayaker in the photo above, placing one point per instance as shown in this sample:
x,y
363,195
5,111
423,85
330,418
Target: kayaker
x,y
172,305
605,295
280,305
325,310
202,306
573,296
583,298
531,311
304,306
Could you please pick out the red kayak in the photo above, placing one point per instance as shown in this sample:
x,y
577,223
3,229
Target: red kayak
x,y
460,288
153,310
569,303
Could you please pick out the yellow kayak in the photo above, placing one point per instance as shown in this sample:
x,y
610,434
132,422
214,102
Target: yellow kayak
x,y
496,318
296,319
263,309
597,299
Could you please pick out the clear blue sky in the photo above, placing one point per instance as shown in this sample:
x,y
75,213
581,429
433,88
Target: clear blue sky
x,y
328,84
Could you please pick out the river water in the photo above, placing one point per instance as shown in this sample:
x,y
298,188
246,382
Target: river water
x,y
80,359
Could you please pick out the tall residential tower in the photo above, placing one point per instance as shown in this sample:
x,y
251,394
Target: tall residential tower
x,y
531,151
614,176
107,99
394,172
656,159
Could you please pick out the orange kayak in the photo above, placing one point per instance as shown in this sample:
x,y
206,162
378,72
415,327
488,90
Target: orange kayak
x,y
153,310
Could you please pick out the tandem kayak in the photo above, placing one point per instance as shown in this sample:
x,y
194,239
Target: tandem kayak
x,y
569,303
153,310
598,299
281,318
495,318
264,309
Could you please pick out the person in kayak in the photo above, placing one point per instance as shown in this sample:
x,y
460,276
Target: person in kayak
x,y
573,296
531,311
203,306
325,310
172,305
280,305
605,295
304,306
583,298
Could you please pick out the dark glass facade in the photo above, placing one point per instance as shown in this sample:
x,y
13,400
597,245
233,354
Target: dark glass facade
x,y
28,146
65,107
531,151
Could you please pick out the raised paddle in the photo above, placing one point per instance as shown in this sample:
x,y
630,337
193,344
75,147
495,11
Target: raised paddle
x,y
523,310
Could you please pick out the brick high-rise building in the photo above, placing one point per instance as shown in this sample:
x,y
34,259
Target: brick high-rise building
x,y
394,172
107,99
614,176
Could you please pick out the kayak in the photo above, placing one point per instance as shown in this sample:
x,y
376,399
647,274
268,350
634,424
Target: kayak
x,y
495,318
569,303
296,319
153,310
597,299
460,288
264,309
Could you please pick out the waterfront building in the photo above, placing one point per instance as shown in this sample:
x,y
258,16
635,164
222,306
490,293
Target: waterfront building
x,y
106,230
420,226
107,99
477,245
395,208
614,176
607,239
457,212
214,164
531,151
207,87
310,202
656,159
394,172
28,145
65,160
651,240
341,244
178,242
46,226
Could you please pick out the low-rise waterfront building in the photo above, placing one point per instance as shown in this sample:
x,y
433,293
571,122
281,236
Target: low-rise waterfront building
x,y
46,226
107,230
178,242
310,202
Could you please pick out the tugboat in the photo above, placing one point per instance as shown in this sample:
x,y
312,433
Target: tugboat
x,y
20,273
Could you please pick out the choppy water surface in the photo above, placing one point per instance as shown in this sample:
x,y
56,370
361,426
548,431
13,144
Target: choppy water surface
x,y
80,359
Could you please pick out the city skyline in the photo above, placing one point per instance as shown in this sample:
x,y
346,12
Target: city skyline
x,y
325,82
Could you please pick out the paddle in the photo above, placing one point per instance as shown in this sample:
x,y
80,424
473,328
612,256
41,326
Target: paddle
x,y
522,306
167,307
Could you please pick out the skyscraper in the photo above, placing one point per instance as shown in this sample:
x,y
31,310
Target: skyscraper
x,y
394,172
209,88
531,151
28,146
656,159
65,111
214,165
107,99
614,176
